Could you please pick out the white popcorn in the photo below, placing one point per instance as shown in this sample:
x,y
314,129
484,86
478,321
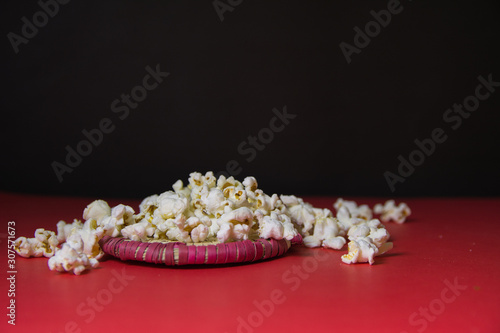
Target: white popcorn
x,y
97,210
277,226
199,233
301,213
178,231
214,202
236,196
360,250
43,244
86,239
346,221
121,215
179,188
139,231
250,184
148,203
237,216
171,204
362,211
312,241
216,210
335,243
289,231
233,232
390,212
373,229
290,200
364,249
367,236
224,182
197,180
267,203
235,224
179,235
64,229
326,231
70,260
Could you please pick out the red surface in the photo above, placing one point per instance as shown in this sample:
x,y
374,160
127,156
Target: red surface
x,y
306,290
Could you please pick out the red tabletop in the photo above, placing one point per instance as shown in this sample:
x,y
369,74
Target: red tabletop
x,y
441,276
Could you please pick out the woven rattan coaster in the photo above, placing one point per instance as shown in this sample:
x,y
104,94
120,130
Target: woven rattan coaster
x,y
178,253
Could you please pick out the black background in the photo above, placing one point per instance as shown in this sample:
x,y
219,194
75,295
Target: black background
x,y
352,120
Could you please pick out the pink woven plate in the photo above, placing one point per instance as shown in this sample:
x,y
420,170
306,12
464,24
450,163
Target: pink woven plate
x,y
178,253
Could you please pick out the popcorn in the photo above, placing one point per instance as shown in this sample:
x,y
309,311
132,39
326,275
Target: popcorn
x,y
277,226
266,203
138,231
86,239
97,210
250,184
300,212
236,196
171,204
215,210
214,202
235,225
326,231
148,203
362,211
390,212
224,182
199,233
346,221
364,249
373,229
65,229
196,179
43,244
120,215
178,231
70,260
209,209
360,250
179,188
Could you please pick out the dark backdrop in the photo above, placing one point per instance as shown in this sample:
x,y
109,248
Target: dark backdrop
x,y
353,122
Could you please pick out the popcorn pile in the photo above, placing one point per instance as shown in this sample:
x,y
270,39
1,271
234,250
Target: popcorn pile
x,y
217,211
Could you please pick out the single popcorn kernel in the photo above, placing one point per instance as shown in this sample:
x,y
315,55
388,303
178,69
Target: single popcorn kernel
x,y
390,212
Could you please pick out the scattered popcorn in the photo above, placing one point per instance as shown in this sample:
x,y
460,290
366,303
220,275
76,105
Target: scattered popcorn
x,y
300,212
346,221
277,226
373,229
65,229
360,250
215,210
43,244
86,239
363,249
362,211
70,260
326,231
390,212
